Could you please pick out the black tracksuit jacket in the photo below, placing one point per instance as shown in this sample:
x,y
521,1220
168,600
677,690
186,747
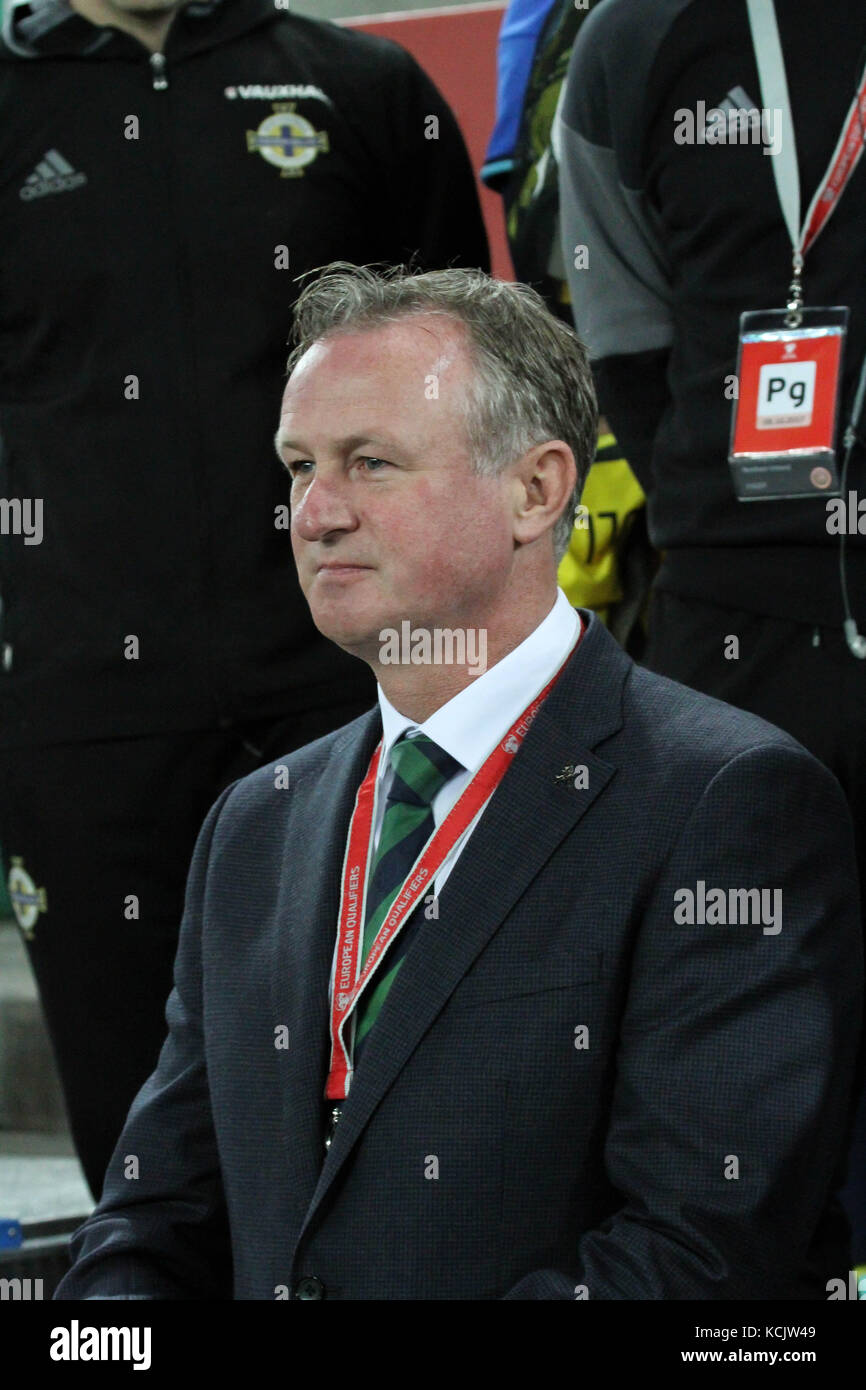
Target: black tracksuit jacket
x,y
148,207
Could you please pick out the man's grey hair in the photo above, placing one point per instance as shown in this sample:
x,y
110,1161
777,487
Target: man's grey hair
x,y
532,380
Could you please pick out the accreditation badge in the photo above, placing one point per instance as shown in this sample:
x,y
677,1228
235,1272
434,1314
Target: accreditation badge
x,y
783,430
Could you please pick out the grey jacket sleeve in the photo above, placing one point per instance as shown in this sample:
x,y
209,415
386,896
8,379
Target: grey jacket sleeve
x,y
612,245
614,258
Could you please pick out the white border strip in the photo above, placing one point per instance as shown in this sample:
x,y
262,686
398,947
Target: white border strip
x,y
389,16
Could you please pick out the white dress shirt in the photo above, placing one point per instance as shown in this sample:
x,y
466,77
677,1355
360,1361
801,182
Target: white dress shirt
x,y
471,724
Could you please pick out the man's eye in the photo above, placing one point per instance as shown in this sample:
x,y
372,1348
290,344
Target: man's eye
x,y
382,463
298,466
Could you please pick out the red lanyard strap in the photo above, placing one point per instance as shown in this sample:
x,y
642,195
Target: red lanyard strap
x,y
842,165
845,157
348,978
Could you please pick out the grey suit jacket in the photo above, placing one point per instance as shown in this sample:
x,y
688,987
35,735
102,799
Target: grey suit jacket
x,y
572,1090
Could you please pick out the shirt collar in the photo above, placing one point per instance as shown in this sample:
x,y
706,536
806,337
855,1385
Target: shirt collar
x,y
470,724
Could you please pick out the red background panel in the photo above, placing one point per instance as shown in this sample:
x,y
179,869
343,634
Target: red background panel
x,y
457,50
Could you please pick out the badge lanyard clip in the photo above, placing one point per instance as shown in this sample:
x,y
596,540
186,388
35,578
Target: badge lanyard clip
x,y
794,316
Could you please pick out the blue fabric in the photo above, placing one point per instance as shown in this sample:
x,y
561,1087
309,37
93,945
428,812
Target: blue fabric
x,y
521,25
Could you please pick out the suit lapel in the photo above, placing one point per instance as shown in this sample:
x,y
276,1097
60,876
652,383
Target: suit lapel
x,y
308,900
507,851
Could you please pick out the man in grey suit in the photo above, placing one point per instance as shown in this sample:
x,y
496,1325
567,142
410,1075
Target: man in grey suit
x,y
540,980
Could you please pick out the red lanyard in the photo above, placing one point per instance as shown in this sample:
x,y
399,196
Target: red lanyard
x,y
770,61
842,165
347,982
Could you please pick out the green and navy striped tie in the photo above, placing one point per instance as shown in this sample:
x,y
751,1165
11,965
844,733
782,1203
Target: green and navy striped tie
x,y
421,768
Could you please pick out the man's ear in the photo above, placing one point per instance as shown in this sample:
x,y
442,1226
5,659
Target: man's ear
x,y
543,481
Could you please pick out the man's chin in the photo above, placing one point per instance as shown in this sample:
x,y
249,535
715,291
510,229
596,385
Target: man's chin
x,y
355,638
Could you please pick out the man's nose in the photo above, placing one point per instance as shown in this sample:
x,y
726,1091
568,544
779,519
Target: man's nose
x,y
323,507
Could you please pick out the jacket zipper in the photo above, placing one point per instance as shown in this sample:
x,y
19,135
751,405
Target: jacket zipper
x,y
184,303
157,64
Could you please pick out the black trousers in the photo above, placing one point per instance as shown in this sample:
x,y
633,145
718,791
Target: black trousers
x,y
107,830
804,680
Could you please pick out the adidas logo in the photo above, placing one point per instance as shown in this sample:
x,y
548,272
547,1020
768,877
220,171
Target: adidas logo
x,y
739,111
53,174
